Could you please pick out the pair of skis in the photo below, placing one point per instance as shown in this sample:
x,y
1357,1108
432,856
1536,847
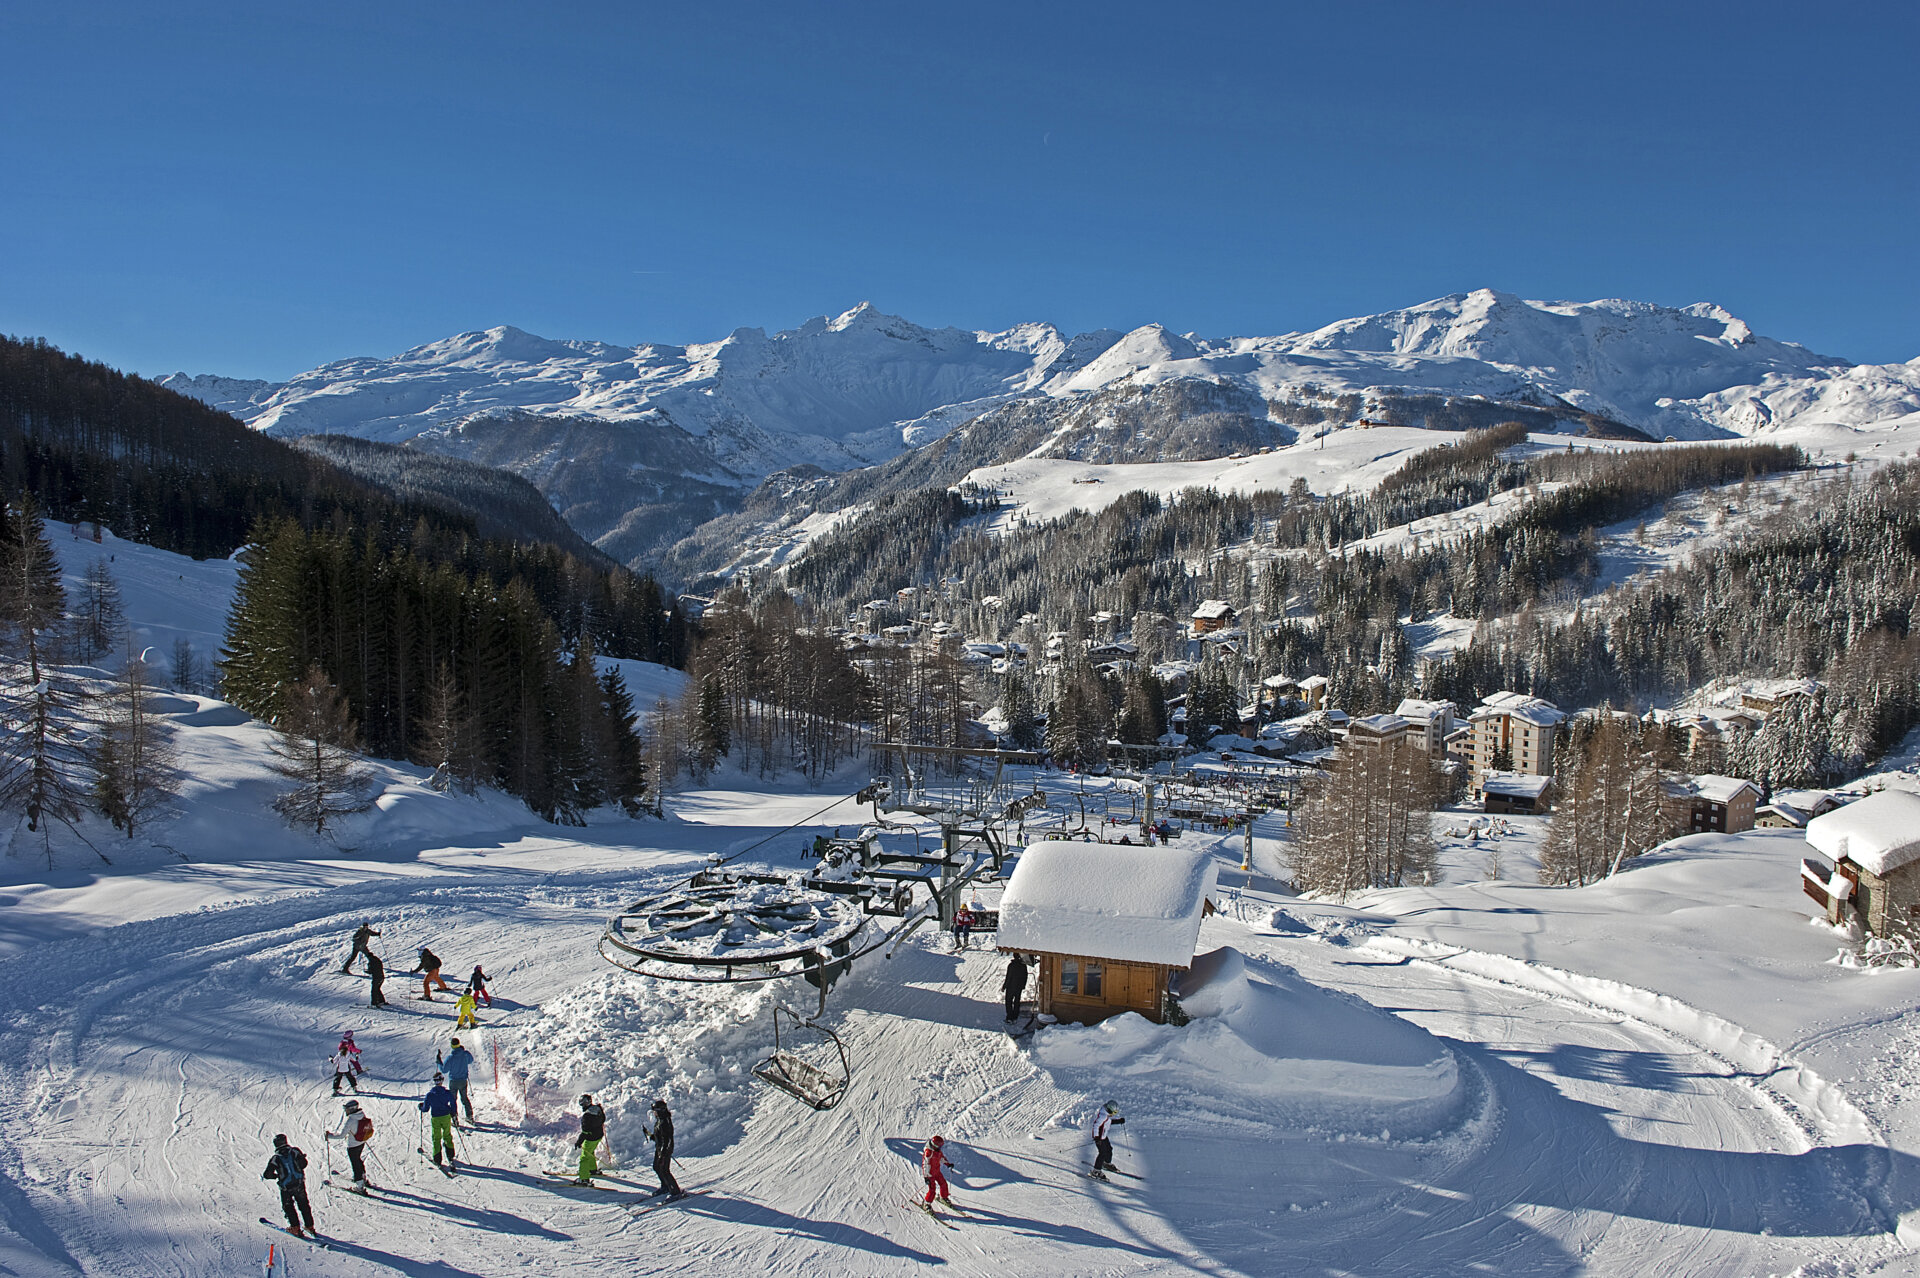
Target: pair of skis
x,y
315,1239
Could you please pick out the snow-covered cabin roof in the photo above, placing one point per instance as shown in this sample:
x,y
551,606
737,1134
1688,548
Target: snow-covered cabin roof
x,y
1879,833
1213,610
1313,681
1107,900
1379,725
1515,785
1415,711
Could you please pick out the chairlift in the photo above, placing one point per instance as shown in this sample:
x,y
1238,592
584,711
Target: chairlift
x,y
818,1082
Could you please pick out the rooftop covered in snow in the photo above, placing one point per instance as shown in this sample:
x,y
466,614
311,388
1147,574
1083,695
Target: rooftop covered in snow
x,y
1880,833
1106,900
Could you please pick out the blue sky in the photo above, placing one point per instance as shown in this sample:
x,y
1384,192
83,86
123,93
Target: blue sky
x,y
254,189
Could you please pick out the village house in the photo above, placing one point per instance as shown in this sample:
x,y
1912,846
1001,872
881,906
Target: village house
x,y
1511,793
1313,691
1792,809
1513,732
1771,695
1111,924
1709,804
1874,845
1212,615
1376,732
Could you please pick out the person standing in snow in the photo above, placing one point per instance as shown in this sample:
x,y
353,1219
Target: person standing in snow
x,y
428,970
361,935
458,1063
933,1166
377,976
346,1064
439,1108
662,1136
356,1129
288,1167
1101,1130
593,1129
477,986
1015,985
465,1016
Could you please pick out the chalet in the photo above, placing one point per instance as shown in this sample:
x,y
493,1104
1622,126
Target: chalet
x,y
1874,845
1212,615
1111,924
1313,691
1712,804
1770,696
1515,729
1515,792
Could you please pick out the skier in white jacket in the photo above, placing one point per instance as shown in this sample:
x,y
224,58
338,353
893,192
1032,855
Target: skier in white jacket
x,y
1100,1129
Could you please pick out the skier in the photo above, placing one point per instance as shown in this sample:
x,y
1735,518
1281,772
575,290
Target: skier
x,y
439,1109
593,1129
377,974
428,970
933,1165
458,1062
356,1129
288,1166
346,1064
1015,985
662,1137
361,935
477,986
464,1013
1100,1129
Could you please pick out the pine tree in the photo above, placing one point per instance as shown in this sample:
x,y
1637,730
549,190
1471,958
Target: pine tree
x,y
450,735
316,749
133,756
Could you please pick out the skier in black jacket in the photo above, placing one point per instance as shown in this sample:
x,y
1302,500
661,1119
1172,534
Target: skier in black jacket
x,y
377,974
288,1166
593,1129
1015,985
662,1136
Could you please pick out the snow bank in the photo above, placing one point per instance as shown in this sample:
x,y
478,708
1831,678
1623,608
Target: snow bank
x,y
1267,1048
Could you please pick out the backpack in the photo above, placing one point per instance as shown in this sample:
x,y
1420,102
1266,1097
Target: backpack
x,y
363,1130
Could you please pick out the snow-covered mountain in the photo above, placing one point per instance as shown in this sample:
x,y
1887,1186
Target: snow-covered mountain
x,y
865,387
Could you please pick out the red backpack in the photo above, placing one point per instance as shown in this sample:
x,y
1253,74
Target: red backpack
x,y
363,1130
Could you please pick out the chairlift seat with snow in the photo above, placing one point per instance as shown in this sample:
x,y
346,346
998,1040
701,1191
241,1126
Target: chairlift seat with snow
x,y
818,1079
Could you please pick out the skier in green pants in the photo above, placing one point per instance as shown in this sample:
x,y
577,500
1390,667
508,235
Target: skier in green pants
x,y
438,1106
593,1129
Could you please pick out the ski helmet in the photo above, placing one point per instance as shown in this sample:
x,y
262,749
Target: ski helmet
x,y
353,1107
347,1037
936,1142
585,1099
280,1141
456,1042
1112,1107
438,1077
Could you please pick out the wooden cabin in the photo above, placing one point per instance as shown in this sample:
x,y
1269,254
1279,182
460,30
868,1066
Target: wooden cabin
x,y
1111,924
1875,848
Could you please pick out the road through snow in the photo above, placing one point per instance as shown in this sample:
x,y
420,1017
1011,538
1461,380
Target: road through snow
x,y
144,1068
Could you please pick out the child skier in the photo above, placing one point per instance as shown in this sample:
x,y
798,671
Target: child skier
x,y
346,1064
377,976
428,970
962,927
464,1015
477,986
662,1137
933,1166
356,1129
593,1129
288,1167
1101,1131
439,1107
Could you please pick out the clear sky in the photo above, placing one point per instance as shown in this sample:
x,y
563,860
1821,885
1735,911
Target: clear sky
x,y
257,188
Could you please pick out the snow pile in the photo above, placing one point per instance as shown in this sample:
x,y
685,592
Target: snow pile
x,y
1879,833
1266,1048
1105,900
629,1041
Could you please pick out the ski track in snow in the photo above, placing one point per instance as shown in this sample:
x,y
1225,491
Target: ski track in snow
x,y
147,1066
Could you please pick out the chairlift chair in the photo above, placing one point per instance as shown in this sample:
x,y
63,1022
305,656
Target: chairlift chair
x,y
820,1084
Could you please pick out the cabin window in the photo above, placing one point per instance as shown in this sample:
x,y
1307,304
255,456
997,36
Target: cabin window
x,y
1093,974
1069,976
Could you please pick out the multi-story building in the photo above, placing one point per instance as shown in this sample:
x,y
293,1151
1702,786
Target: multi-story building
x,y
1513,732
1377,732
1430,723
